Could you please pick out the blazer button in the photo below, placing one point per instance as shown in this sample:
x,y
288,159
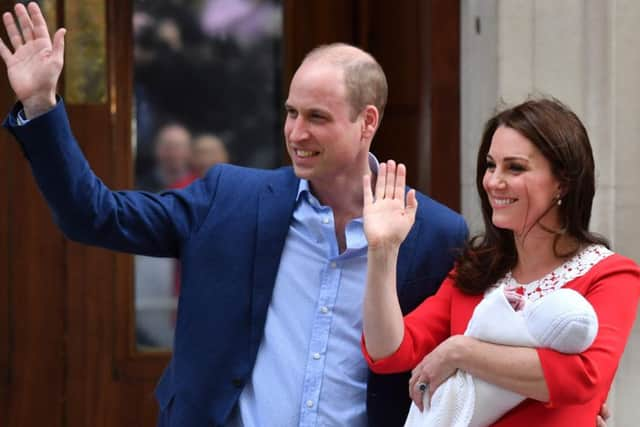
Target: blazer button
x,y
237,382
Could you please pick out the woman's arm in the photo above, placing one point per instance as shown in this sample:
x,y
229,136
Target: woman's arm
x,y
544,374
515,368
382,322
387,221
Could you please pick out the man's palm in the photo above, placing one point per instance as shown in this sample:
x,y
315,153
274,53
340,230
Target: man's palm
x,y
33,69
35,65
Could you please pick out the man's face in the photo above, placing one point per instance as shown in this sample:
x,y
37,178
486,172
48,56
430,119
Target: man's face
x,y
323,141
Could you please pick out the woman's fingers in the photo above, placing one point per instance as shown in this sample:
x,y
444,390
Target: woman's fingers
x,y
381,181
401,178
412,201
390,181
366,190
415,391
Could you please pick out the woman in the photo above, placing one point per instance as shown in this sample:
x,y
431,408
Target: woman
x,y
535,178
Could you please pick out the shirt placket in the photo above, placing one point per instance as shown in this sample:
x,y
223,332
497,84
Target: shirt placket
x,y
321,328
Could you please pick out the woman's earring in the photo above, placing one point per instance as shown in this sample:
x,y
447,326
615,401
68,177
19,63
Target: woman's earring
x,y
558,200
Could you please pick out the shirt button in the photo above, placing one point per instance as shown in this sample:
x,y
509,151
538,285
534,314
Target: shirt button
x,y
316,356
324,310
325,220
309,403
333,264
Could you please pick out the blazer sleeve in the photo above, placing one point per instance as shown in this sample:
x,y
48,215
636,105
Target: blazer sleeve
x,y
575,379
88,211
424,328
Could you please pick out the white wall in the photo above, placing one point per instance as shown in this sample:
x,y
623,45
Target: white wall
x,y
585,53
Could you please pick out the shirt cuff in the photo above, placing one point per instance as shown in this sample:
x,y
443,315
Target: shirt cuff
x,y
21,119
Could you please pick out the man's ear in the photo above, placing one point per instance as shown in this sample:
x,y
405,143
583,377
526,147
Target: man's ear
x,y
370,122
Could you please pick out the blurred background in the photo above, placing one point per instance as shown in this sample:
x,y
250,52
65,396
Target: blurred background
x,y
207,88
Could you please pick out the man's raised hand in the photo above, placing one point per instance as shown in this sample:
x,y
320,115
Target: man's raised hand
x,y
35,64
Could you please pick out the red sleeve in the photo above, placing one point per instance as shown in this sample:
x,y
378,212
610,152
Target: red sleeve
x,y
613,291
424,328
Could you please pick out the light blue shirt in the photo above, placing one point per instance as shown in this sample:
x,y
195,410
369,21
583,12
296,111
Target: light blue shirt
x,y
309,369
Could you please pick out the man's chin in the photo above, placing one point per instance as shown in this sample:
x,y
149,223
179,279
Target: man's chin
x,y
302,173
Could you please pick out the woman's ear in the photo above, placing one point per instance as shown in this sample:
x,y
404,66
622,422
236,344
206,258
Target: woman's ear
x,y
563,189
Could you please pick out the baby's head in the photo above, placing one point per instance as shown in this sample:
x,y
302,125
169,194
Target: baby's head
x,y
562,320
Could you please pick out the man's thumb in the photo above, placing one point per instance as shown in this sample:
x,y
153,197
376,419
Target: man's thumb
x,y
58,43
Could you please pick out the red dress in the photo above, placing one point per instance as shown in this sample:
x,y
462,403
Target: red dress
x,y
578,383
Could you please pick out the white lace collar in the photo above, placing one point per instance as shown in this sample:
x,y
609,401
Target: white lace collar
x,y
575,267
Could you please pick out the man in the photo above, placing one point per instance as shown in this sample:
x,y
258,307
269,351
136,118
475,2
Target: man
x,y
273,262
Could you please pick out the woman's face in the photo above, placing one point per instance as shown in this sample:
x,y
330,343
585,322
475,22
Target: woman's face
x,y
521,188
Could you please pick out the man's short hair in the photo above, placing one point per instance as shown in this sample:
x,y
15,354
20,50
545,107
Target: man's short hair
x,y
365,81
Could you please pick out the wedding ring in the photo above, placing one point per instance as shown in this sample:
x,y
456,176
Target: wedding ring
x,y
422,387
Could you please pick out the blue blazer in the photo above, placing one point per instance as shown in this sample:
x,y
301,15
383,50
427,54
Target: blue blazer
x,y
229,230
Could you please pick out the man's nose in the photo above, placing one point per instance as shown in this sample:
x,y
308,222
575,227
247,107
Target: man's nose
x,y
298,129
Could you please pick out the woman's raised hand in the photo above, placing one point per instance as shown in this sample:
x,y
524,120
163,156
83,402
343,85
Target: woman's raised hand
x,y
387,217
35,64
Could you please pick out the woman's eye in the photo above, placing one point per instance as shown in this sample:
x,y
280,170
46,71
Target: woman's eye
x,y
517,168
490,165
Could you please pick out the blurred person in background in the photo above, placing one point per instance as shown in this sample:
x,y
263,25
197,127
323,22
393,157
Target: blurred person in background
x,y
172,159
208,151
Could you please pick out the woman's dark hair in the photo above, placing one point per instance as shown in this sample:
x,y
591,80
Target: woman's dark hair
x,y
560,136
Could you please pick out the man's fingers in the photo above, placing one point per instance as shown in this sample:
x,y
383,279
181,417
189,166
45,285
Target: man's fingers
x,y
12,30
5,52
600,422
25,22
40,29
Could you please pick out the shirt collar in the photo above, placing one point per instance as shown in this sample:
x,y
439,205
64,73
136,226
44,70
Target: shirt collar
x,y
304,187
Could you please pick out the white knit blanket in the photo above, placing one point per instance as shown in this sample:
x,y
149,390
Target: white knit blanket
x,y
562,320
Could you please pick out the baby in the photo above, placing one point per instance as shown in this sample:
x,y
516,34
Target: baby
x,y
562,320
